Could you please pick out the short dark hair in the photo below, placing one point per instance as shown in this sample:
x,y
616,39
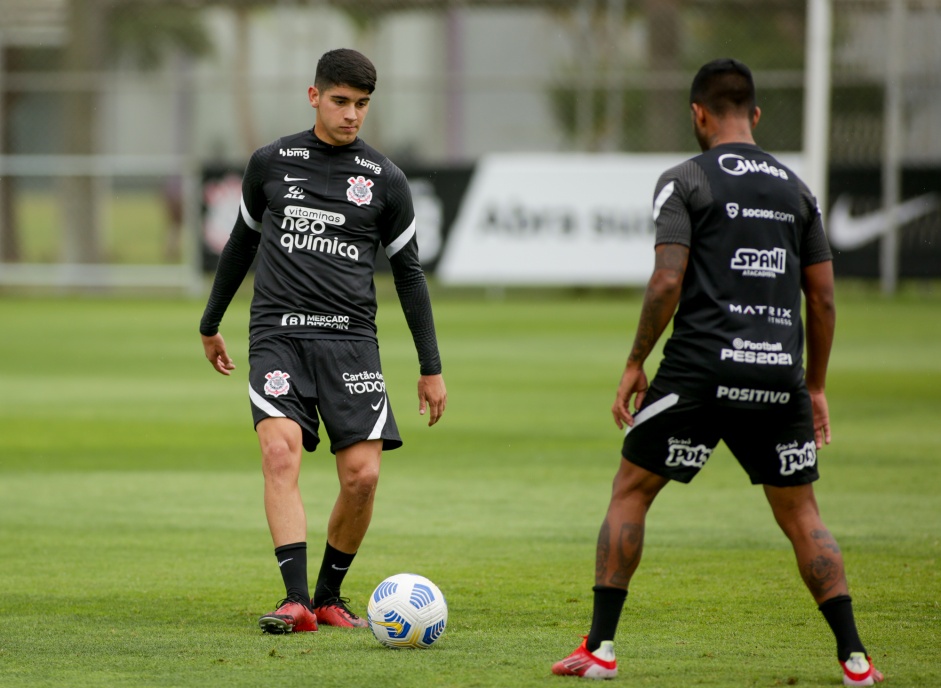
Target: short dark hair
x,y
724,86
345,67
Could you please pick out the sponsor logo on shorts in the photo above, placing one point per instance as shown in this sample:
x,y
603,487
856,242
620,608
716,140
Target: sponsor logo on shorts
x,y
758,353
295,153
795,457
333,322
754,262
360,191
369,164
772,314
736,165
295,192
756,396
277,383
684,453
364,382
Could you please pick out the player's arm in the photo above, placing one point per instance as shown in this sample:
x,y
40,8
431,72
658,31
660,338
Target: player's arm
x,y
412,290
660,301
676,189
399,238
820,320
234,263
820,323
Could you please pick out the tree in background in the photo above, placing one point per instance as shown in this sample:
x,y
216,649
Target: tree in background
x,y
98,34
646,63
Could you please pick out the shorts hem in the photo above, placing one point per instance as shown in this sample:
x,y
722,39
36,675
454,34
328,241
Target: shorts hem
x,y
308,440
388,443
658,470
801,480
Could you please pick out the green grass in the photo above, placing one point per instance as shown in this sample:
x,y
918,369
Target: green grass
x,y
134,550
135,227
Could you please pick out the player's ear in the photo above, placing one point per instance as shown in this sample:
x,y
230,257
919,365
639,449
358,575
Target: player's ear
x,y
756,115
313,95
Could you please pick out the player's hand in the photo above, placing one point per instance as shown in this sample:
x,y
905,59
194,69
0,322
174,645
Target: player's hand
x,y
432,396
633,382
818,401
214,347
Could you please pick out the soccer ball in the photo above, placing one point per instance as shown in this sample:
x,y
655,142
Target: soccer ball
x,y
407,610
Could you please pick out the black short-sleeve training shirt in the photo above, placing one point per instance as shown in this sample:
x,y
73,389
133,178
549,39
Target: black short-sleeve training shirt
x,y
751,225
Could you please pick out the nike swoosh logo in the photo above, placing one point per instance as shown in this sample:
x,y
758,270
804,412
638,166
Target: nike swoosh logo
x,y
294,179
282,563
337,568
847,232
375,407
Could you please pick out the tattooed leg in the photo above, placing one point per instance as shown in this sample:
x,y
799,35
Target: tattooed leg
x,y
818,555
621,538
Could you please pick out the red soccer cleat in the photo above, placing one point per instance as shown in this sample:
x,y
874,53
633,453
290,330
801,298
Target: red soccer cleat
x,y
598,664
290,617
859,671
335,613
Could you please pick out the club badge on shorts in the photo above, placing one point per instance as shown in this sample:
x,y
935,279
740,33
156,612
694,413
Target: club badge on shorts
x,y
277,384
360,190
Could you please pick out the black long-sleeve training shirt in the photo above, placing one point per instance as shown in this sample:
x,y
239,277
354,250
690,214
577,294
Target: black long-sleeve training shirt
x,y
317,215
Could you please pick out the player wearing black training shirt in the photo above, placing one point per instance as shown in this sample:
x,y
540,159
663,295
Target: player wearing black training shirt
x,y
317,207
739,237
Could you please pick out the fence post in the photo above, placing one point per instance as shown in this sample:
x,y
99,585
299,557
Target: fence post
x,y
817,84
892,147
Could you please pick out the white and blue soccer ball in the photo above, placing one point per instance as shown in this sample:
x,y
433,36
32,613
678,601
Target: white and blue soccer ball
x,y
407,610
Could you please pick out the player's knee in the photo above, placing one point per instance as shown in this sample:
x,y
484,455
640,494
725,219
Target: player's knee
x,y
360,484
633,483
279,459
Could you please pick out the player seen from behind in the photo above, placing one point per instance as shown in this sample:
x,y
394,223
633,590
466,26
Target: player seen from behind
x,y
739,236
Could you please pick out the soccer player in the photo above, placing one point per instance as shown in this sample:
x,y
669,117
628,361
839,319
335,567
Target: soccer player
x,y
316,206
739,236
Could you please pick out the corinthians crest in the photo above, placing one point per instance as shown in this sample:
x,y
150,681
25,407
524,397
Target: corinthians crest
x,y
360,191
277,384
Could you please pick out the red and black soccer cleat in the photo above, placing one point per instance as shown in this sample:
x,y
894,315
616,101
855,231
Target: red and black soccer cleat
x,y
859,671
584,664
290,617
335,612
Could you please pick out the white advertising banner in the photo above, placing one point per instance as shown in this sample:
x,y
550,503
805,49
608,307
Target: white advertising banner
x,y
558,219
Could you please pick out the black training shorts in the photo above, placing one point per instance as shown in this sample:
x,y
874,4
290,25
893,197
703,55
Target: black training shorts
x,y
673,437
292,377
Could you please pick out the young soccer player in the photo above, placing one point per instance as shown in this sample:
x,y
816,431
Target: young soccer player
x,y
317,206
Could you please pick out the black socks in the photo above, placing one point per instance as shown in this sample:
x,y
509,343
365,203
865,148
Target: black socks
x,y
838,611
292,560
607,612
332,572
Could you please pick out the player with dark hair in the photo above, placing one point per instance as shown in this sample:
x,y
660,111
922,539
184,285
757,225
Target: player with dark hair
x,y
316,207
739,236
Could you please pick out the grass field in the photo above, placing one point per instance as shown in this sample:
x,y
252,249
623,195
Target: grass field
x,y
134,550
144,210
